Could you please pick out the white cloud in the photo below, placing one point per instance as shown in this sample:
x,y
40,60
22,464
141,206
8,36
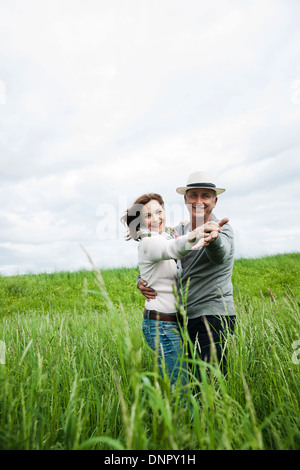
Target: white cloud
x,y
106,100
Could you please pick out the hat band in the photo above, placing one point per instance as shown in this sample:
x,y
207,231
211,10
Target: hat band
x,y
201,185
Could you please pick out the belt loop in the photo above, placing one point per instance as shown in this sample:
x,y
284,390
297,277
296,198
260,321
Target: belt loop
x,y
146,314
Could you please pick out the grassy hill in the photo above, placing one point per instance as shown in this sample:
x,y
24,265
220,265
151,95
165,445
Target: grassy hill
x,y
68,292
78,374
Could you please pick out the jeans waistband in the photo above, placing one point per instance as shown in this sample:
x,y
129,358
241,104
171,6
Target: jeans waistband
x,y
154,315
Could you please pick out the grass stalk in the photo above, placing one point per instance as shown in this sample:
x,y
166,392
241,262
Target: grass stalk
x,y
79,374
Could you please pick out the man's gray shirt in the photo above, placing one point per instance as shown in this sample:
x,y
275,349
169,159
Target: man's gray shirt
x,y
209,270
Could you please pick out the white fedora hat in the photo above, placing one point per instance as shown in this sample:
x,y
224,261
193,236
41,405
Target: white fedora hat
x,y
200,179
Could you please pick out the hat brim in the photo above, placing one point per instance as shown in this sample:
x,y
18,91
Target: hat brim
x,y
184,189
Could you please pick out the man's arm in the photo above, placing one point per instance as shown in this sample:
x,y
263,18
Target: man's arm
x,y
222,247
210,234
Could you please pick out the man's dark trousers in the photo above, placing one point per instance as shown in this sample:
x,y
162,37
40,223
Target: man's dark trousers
x,y
206,329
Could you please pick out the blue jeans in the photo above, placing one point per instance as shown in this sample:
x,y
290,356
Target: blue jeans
x,y
169,347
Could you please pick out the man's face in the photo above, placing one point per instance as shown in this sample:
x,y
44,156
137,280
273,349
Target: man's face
x,y
200,204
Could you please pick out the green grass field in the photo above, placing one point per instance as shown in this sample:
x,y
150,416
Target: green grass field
x,y
78,374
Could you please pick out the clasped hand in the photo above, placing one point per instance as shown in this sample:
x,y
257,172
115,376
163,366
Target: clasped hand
x,y
206,233
203,235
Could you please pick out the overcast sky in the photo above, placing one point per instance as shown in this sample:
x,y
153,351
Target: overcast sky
x,y
101,101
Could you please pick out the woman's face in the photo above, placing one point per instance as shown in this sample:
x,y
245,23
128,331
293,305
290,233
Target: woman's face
x,y
153,216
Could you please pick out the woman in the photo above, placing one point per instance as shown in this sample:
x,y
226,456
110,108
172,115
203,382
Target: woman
x,y
158,247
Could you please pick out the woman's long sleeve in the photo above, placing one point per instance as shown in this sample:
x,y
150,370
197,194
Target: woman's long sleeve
x,y
158,248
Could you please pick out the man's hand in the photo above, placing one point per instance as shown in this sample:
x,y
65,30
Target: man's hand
x,y
147,292
209,232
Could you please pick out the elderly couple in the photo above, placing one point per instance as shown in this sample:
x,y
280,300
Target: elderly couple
x,y
197,256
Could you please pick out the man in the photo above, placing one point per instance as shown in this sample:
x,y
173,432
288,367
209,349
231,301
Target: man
x,y
209,305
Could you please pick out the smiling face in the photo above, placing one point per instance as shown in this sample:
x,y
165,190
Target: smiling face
x,y
200,204
153,216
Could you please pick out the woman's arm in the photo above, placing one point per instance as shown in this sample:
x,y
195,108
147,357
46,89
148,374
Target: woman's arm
x,y
158,248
